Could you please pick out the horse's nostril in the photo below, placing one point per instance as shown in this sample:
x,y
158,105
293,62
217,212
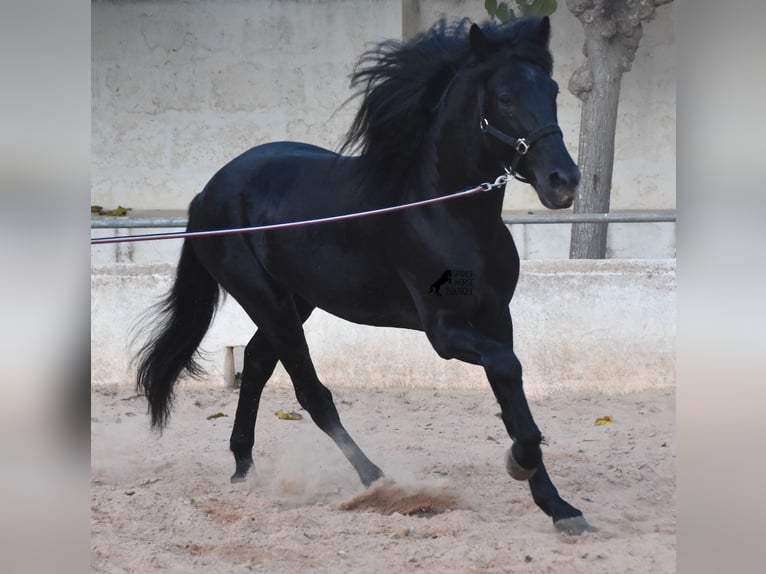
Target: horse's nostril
x,y
565,179
555,180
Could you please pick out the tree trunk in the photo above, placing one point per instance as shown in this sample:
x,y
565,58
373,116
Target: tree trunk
x,y
596,154
613,30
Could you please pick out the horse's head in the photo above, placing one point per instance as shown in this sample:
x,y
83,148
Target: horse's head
x,y
517,107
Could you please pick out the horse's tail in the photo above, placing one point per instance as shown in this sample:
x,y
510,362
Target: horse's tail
x,y
185,314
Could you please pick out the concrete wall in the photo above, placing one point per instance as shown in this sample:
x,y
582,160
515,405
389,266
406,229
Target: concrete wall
x,y
603,325
179,88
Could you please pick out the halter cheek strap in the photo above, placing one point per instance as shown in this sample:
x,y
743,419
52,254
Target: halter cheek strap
x,y
520,145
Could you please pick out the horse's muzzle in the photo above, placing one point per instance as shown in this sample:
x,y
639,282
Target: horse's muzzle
x,y
560,189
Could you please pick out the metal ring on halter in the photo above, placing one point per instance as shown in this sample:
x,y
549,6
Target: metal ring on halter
x,y
522,146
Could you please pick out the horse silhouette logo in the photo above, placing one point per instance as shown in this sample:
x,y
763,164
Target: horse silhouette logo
x,y
436,285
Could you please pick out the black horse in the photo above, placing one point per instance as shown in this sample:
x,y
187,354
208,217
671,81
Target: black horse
x,y
450,109
436,285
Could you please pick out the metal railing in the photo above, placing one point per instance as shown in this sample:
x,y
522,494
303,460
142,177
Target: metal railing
x,y
117,222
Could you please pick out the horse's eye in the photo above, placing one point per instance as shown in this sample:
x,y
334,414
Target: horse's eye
x,y
505,100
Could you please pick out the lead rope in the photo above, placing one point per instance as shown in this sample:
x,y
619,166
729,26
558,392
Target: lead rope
x,y
499,182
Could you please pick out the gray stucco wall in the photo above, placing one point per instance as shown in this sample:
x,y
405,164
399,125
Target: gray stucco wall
x,y
179,88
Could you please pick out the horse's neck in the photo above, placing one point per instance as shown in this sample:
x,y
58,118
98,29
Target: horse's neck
x,y
463,167
459,148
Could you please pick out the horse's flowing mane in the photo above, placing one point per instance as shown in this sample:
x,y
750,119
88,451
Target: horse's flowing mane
x,y
403,86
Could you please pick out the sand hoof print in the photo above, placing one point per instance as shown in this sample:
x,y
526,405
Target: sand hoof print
x,y
387,497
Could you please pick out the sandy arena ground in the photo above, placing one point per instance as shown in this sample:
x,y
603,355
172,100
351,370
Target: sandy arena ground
x,y
165,504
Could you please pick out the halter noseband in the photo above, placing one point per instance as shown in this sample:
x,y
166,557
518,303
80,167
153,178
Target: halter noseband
x,y
520,145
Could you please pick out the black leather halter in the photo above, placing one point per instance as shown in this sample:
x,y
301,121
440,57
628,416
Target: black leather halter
x,y
520,145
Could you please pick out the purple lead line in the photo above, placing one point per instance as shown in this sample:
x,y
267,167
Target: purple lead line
x,y
273,226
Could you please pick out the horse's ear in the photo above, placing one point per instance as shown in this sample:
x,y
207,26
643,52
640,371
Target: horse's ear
x,y
479,43
542,32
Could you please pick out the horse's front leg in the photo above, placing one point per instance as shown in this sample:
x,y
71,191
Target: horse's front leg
x,y
453,337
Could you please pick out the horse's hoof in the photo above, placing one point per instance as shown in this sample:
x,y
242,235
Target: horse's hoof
x,y
243,466
237,477
240,474
371,475
517,471
574,526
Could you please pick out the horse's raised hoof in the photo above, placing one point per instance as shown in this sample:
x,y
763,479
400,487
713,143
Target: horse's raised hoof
x,y
574,525
517,471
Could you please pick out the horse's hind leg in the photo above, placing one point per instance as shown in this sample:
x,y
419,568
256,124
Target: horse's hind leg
x,y
259,363
317,399
279,316
258,366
